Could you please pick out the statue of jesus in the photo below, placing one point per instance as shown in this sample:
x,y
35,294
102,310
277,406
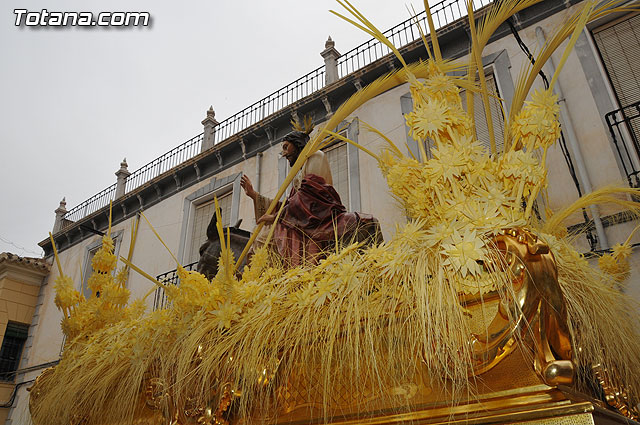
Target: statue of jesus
x,y
313,214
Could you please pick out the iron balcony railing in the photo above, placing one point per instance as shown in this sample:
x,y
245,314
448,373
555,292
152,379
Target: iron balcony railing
x,y
168,278
444,13
174,157
276,101
624,127
91,205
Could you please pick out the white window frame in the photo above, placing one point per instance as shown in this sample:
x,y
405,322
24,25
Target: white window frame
x,y
352,128
92,248
500,66
337,144
216,188
490,69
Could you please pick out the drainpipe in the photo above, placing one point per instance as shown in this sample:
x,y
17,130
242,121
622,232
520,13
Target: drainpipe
x,y
258,170
567,127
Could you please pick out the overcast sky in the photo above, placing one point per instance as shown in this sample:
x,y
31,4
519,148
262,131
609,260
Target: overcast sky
x,y
74,102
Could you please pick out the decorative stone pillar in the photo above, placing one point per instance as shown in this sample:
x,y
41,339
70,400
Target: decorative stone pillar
x,y
210,125
330,55
122,175
60,212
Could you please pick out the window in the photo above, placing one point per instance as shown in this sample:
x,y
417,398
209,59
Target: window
x,y
344,163
339,163
498,78
87,270
198,208
617,43
14,338
482,129
201,218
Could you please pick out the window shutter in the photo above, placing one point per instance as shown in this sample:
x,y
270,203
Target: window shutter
x,y
337,157
495,107
618,47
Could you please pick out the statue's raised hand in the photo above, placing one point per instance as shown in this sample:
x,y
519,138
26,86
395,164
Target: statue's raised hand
x,y
245,183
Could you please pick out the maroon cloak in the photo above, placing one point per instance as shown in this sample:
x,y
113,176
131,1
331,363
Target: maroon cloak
x,y
312,219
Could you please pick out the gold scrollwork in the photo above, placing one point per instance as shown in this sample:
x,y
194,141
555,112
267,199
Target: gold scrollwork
x,y
155,393
192,409
538,303
615,396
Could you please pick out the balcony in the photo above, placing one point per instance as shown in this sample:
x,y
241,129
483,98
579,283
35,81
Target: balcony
x,y
624,128
168,278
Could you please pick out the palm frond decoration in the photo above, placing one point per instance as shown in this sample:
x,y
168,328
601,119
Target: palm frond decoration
x,y
306,126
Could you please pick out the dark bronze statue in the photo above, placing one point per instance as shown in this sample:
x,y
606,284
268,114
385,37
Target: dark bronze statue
x,y
210,250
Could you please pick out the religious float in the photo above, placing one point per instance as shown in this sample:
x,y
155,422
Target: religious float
x,y
476,311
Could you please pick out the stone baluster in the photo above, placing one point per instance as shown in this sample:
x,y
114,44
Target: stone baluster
x,y
330,55
210,125
60,212
122,175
